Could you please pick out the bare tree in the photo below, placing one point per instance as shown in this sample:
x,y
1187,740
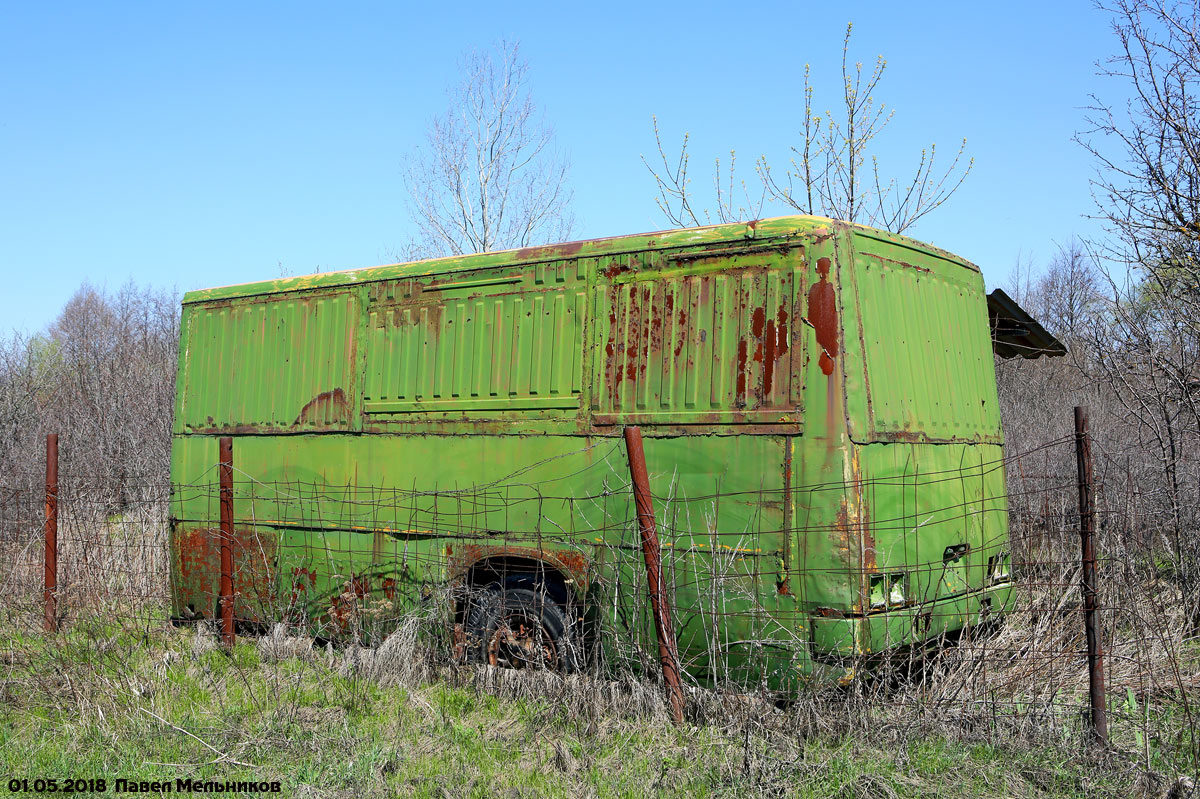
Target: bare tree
x,y
1147,191
1147,148
103,376
831,172
488,177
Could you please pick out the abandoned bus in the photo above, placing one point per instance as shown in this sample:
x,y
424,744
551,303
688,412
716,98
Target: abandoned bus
x,y
819,406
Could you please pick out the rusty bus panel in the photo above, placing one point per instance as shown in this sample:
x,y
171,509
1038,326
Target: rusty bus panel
x,y
700,345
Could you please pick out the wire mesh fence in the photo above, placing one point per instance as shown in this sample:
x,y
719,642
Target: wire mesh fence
x,y
929,595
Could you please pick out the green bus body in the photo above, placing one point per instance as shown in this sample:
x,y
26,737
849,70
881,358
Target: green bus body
x,y
818,401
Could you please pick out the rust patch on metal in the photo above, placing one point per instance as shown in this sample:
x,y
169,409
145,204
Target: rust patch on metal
x,y
646,334
776,347
254,574
822,315
906,436
196,553
757,321
234,429
612,336
668,310
762,349
573,564
615,269
868,548
859,533
769,357
901,264
550,251
682,332
842,524
654,339
331,405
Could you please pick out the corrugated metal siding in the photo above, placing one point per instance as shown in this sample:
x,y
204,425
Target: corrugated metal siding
x,y
928,350
282,364
698,347
493,342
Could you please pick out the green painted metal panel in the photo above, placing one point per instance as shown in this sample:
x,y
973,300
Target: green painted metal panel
x,y
503,340
936,523
274,364
847,637
926,347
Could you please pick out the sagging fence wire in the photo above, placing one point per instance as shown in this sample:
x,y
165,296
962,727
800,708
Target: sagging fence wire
x,y
361,565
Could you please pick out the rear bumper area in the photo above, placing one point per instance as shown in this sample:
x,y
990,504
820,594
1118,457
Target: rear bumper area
x,y
873,633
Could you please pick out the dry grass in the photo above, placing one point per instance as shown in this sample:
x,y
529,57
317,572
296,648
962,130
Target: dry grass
x,y
1022,684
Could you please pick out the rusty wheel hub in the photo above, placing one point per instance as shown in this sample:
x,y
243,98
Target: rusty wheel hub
x,y
521,643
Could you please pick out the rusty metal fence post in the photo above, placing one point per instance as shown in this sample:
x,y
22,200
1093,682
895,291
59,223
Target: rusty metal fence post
x,y
226,498
51,534
1087,529
659,602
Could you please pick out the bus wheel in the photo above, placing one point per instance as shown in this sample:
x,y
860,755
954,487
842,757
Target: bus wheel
x,y
519,628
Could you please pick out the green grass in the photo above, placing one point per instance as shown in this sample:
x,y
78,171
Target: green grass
x,y
97,701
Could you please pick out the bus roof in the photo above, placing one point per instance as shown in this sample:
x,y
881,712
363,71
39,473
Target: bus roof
x,y
756,230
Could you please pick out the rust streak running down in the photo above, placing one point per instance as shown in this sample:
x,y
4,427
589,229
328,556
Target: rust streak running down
x,y
769,360
758,320
822,315
781,334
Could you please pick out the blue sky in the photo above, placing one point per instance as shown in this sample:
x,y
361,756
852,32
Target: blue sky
x,y
189,145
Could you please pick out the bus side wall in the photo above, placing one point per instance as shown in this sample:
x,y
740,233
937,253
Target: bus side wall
x,y
330,465
813,425
313,540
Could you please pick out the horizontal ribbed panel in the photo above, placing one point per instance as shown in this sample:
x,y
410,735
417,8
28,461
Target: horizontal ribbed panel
x,y
281,364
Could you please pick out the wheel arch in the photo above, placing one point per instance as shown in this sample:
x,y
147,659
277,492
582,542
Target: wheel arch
x,y
563,573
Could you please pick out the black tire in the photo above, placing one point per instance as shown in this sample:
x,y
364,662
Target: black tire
x,y
519,628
